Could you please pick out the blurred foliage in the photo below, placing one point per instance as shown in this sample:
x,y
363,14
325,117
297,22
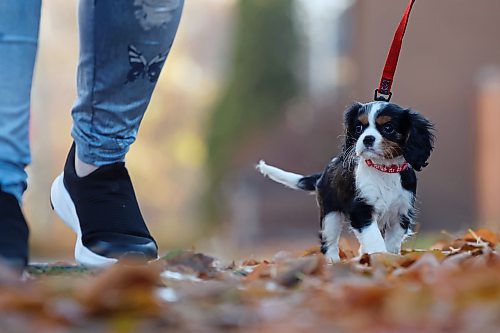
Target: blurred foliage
x,y
260,84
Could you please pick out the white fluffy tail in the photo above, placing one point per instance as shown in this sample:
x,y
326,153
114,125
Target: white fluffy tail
x,y
286,178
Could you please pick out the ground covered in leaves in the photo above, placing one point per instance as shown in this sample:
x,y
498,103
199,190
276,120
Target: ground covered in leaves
x,y
452,287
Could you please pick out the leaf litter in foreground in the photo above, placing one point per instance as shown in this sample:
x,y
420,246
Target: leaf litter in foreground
x,y
452,287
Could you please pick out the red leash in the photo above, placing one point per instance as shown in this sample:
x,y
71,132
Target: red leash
x,y
383,93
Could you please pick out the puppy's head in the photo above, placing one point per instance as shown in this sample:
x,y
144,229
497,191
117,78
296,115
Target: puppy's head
x,y
383,131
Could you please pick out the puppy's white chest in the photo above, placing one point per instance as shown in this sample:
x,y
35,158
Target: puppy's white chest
x,y
382,190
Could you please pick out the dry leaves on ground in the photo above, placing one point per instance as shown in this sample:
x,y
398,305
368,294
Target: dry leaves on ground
x,y
452,287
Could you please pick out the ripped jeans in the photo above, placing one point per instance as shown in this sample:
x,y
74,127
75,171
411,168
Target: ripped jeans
x,y
123,47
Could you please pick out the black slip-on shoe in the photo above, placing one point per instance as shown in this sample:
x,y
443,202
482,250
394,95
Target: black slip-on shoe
x,y
14,233
102,210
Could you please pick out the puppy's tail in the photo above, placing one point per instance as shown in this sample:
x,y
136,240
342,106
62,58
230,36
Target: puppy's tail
x,y
290,179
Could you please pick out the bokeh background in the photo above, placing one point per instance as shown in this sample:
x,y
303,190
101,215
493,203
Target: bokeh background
x,y
254,79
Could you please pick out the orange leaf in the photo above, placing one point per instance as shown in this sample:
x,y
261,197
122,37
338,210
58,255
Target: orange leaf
x,y
485,235
261,271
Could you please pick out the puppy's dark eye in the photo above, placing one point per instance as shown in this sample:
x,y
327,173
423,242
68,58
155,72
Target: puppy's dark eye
x,y
388,129
359,129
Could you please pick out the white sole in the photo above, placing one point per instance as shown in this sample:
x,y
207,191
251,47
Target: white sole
x,y
65,208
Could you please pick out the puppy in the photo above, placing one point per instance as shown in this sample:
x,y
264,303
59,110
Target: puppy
x,y
372,183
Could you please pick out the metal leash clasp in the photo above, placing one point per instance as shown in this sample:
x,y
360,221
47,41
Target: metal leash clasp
x,y
379,97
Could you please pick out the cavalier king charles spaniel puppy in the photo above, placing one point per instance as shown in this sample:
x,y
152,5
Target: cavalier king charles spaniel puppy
x,y
372,183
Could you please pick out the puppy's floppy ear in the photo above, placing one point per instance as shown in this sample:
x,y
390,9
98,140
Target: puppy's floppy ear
x,y
350,115
420,140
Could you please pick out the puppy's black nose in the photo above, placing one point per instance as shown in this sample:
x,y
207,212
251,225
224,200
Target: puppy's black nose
x,y
369,140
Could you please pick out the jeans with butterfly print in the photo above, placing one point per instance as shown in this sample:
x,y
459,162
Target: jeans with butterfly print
x,y
123,47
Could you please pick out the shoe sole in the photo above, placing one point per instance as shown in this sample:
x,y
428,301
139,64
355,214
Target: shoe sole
x,y
64,207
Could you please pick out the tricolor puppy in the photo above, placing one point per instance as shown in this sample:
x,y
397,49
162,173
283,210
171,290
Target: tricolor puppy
x,y
372,183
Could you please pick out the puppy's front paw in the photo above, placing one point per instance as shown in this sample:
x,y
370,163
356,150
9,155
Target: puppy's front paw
x,y
372,250
332,256
395,249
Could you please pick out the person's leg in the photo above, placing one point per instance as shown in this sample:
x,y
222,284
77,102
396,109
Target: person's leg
x,y
19,21
123,46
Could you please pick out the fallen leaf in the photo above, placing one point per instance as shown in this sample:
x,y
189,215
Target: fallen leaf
x,y
293,274
124,287
483,234
261,271
189,262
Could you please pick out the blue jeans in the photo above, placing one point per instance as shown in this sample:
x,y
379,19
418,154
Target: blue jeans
x,y
123,46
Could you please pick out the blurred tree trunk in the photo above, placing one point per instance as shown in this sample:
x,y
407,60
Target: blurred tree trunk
x,y
261,82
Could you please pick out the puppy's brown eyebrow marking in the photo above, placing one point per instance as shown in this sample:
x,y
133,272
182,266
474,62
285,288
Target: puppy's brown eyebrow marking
x,y
383,119
363,119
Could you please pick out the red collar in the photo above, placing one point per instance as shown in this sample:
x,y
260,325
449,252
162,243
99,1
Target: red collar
x,y
388,168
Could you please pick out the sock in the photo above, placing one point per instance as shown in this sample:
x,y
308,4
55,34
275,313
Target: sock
x,y
83,169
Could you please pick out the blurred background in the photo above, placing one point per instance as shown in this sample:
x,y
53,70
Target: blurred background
x,y
270,79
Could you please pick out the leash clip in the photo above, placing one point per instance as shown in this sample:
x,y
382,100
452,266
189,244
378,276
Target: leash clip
x,y
379,97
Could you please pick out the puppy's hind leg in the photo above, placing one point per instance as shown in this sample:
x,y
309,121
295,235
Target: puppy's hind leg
x,y
331,227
